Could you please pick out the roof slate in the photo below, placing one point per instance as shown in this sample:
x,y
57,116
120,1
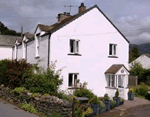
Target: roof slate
x,y
29,36
114,68
8,40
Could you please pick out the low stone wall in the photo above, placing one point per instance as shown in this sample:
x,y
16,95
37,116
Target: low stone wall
x,y
47,105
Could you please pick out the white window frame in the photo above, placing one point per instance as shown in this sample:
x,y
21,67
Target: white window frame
x,y
123,80
73,80
113,49
109,80
75,47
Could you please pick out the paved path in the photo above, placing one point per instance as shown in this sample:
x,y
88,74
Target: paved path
x,y
8,110
121,110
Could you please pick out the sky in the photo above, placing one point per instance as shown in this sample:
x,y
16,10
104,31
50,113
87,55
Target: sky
x,y
132,17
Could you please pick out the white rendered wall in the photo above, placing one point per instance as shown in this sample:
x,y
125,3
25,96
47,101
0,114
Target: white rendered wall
x,y
94,49
5,52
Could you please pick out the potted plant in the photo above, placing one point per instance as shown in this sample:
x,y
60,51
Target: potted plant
x,y
131,94
107,102
117,98
102,106
88,112
95,105
113,103
121,101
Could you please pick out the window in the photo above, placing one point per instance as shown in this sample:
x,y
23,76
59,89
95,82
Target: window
x,y
112,49
110,80
37,46
74,46
120,81
72,79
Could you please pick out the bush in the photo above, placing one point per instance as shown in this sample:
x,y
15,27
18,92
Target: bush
x,y
95,100
131,90
17,72
28,107
45,81
113,102
3,68
117,93
102,105
106,97
142,90
84,93
19,90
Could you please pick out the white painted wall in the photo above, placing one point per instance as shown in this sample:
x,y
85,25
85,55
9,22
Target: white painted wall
x,y
5,52
93,48
143,60
20,52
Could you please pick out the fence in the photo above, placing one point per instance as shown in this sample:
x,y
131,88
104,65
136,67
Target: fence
x,y
133,80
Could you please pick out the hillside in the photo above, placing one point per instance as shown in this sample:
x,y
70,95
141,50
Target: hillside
x,y
143,48
5,31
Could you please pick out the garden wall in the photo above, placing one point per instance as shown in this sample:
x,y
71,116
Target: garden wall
x,y
47,105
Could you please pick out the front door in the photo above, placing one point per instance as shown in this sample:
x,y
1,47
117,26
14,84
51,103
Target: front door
x,y
121,80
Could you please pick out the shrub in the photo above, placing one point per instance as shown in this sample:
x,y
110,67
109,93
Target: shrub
x,y
45,81
88,111
19,90
95,100
106,97
113,102
84,93
28,107
117,93
35,94
3,68
121,100
17,72
102,105
141,90
45,95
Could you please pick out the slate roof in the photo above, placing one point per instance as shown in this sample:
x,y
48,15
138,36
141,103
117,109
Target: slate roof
x,y
29,36
114,69
8,40
50,29
146,54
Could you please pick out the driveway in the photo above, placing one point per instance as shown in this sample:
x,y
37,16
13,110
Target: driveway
x,y
8,110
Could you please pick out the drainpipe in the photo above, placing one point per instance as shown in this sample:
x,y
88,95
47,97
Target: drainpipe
x,y
48,63
26,52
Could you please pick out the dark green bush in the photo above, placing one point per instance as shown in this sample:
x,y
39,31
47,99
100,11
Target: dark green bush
x,y
141,90
106,97
17,72
84,93
44,82
3,68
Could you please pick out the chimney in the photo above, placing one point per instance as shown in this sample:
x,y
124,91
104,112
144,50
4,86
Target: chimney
x,y
62,16
82,8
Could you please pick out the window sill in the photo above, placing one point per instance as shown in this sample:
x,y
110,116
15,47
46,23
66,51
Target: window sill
x,y
111,87
37,57
111,56
75,54
73,87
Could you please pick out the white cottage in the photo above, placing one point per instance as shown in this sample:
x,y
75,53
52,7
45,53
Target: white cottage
x,y
144,60
6,43
88,45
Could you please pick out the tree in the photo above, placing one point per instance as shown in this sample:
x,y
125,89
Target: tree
x,y
134,53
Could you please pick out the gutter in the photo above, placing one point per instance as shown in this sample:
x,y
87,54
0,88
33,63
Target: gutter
x,y
48,62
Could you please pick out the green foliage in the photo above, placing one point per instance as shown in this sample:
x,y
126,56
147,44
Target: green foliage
x,y
45,81
117,93
134,53
3,68
113,102
45,95
102,105
28,107
94,100
131,90
54,115
106,97
17,72
84,93
141,90
88,111
121,100
20,90
35,94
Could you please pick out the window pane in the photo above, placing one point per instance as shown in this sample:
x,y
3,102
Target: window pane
x,y
114,49
120,81
113,80
110,49
71,45
75,78
70,80
77,46
109,78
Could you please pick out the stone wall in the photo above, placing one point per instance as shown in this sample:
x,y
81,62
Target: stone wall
x,y
47,105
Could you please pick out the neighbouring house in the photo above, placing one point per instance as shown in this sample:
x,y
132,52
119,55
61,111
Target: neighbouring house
x,y
6,43
89,47
144,60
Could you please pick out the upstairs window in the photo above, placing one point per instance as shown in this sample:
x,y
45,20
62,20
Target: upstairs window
x,y
112,49
74,46
72,79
